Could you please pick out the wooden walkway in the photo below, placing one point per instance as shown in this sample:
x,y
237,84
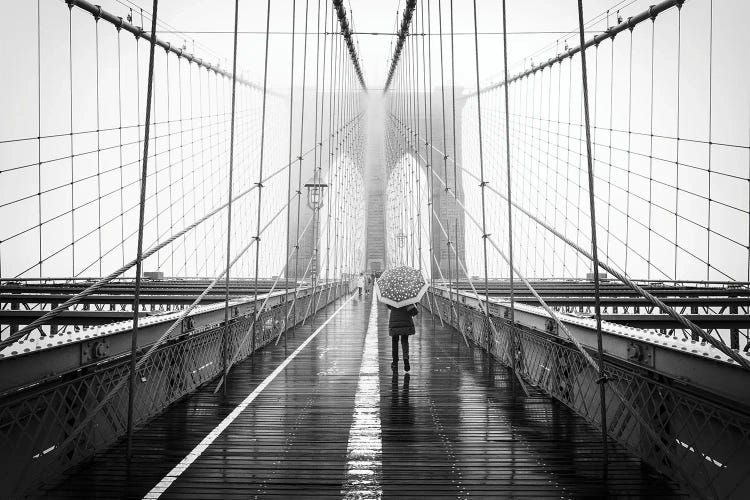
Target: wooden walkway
x,y
335,423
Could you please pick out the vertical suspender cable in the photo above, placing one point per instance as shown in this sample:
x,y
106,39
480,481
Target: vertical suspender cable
x,y
338,155
343,73
331,103
650,153
182,164
349,130
407,172
72,156
482,182
314,262
710,131
431,195
289,177
510,206
203,168
415,50
259,184
677,146
119,131
299,171
430,162
319,163
169,160
154,112
445,149
333,146
629,151
415,183
408,153
139,251
225,336
426,155
594,250
99,150
609,158
39,124
455,155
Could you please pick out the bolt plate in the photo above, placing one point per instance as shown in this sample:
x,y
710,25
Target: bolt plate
x,y
641,353
94,350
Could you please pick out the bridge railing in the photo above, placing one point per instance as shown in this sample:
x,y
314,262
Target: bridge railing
x,y
688,413
50,424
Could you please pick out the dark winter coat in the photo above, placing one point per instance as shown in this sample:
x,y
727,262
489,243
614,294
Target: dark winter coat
x,y
400,322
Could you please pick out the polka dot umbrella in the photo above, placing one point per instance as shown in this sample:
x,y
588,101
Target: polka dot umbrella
x,y
401,286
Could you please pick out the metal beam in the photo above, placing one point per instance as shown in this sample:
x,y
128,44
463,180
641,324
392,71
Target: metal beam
x,y
80,318
660,321
38,359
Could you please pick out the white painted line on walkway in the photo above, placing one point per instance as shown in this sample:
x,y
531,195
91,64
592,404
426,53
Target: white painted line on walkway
x,y
196,452
364,451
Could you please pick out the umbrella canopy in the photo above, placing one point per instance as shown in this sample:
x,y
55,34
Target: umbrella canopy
x,y
401,286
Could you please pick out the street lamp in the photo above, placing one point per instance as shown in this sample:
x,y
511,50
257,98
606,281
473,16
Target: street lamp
x,y
315,201
401,238
315,194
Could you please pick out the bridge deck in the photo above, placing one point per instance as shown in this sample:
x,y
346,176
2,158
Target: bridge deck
x,y
335,421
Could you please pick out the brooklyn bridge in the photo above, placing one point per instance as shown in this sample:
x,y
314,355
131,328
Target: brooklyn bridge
x,y
197,200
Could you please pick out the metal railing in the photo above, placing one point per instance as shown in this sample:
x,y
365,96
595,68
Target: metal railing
x,y
703,436
38,421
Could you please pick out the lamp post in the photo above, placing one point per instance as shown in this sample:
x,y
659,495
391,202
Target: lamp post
x,y
315,194
401,238
315,200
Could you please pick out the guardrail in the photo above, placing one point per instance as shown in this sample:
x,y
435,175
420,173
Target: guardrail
x,y
692,409
48,393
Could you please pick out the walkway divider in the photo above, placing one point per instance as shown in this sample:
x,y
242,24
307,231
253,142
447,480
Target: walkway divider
x,y
364,465
196,452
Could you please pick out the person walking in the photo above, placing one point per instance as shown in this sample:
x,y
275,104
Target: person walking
x,y
400,326
360,283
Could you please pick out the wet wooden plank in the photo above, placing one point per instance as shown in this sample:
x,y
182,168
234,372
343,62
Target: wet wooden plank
x,y
454,427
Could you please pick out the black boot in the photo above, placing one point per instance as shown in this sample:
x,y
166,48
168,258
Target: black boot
x,y
394,353
405,351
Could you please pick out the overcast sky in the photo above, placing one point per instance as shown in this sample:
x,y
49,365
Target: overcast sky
x,y
535,26
537,29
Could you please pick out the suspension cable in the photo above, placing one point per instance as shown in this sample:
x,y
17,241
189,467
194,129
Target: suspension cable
x,y
260,169
482,182
402,34
225,333
139,250
508,183
594,248
289,174
680,318
347,32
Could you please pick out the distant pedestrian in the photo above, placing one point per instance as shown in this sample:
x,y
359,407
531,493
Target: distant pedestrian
x,y
400,326
360,283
